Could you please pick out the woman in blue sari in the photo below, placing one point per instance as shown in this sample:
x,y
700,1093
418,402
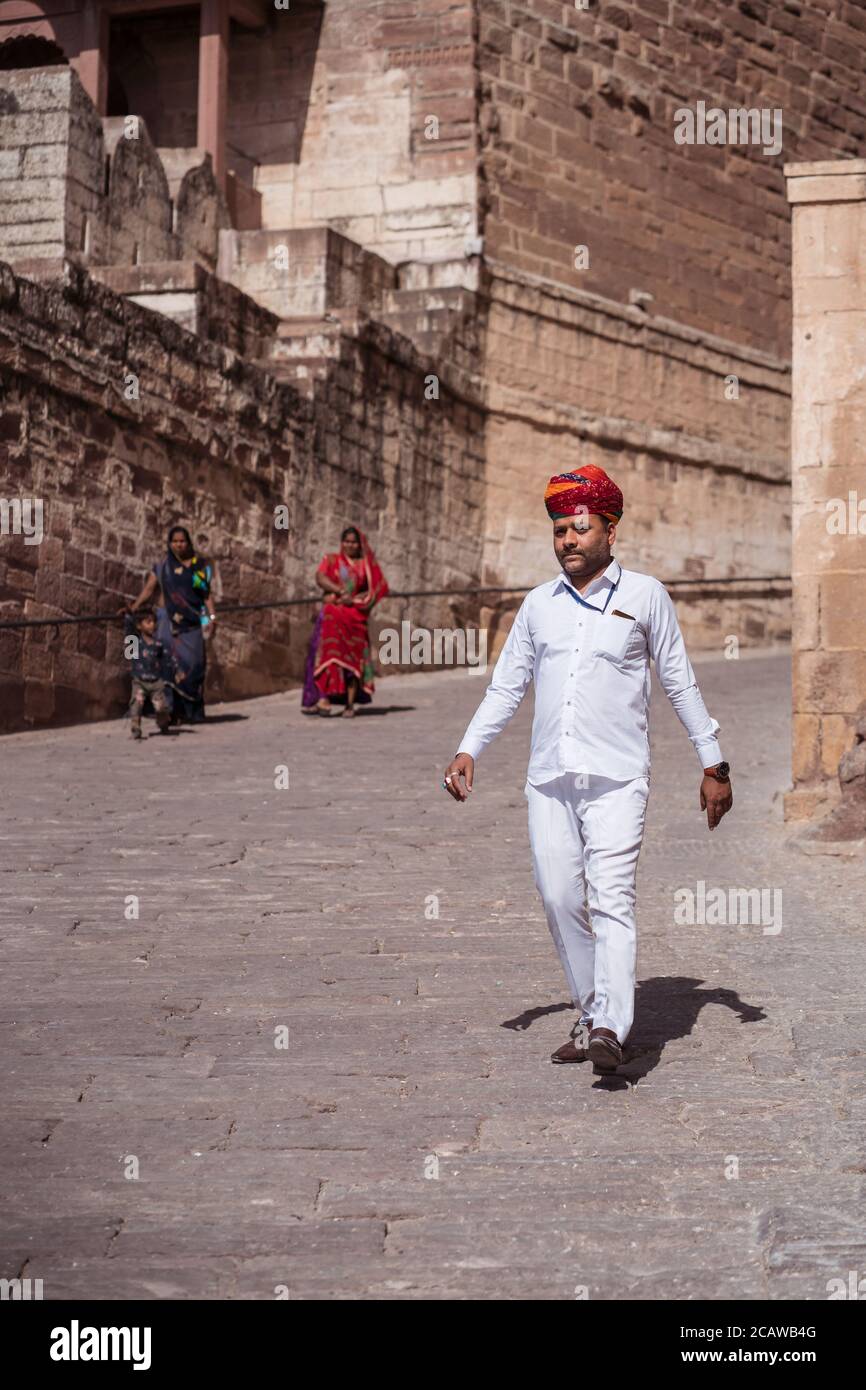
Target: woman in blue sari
x,y
185,620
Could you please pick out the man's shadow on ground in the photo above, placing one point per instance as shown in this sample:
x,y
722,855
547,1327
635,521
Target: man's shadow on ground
x,y
368,711
666,1007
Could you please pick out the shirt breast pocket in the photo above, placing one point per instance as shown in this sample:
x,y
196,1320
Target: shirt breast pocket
x,y
613,637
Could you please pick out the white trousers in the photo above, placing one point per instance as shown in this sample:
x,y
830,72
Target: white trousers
x,y
585,845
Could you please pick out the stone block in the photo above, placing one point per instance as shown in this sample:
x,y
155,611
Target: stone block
x,y
806,803
201,214
843,620
829,682
44,161
16,130
805,615
836,738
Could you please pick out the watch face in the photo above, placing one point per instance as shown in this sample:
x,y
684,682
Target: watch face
x,y
724,769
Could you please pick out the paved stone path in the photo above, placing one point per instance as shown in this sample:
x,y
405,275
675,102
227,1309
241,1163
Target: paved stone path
x,y
417,1045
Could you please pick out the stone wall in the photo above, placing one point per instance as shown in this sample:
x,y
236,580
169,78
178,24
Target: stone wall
x,y
571,381
829,494
328,114
304,272
693,428
333,103
52,166
577,125
217,442
154,72
191,296
55,197
356,113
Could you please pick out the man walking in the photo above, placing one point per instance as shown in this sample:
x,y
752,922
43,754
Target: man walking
x,y
586,639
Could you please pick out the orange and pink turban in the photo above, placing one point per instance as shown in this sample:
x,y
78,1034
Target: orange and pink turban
x,y
585,492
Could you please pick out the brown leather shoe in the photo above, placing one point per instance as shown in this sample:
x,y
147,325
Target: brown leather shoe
x,y
604,1049
575,1050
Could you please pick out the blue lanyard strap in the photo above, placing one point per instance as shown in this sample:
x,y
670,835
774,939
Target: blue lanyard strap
x,y
610,594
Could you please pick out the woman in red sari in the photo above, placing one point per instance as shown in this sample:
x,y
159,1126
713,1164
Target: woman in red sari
x,y
353,581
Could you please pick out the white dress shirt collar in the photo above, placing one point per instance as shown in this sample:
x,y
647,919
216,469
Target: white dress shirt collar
x,y
608,579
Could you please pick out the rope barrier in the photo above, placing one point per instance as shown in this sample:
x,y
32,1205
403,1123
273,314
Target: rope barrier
x,y
9,623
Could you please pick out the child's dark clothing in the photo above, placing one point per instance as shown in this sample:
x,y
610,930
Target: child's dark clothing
x,y
150,670
153,661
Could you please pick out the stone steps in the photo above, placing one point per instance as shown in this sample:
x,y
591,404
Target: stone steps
x,y
304,347
427,314
428,299
303,350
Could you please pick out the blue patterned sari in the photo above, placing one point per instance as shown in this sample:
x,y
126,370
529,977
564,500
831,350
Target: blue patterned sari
x,y
179,626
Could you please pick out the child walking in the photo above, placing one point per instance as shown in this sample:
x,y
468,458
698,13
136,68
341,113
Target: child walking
x,y
150,669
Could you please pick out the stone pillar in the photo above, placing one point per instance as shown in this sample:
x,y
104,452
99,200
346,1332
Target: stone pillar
x,y
213,69
829,479
52,168
92,62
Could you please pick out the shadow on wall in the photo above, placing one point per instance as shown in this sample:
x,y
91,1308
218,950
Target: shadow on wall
x,y
270,81
153,71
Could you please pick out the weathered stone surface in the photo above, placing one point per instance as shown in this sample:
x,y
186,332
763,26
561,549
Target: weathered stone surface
x,y
853,764
305,272
200,212
576,100
48,122
829,235
138,210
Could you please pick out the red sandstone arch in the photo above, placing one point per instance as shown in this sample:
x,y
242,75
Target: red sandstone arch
x,y
20,17
59,27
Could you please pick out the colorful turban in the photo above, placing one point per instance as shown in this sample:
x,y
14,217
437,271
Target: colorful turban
x,y
588,491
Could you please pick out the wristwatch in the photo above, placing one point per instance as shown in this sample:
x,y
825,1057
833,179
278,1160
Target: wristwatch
x,y
721,772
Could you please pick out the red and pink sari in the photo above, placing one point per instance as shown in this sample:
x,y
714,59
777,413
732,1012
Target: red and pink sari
x,y
344,636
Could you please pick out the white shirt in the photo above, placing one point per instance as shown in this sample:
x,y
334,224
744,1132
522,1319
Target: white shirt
x,y
592,680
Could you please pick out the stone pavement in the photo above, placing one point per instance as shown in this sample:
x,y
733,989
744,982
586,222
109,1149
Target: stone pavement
x,y
411,1140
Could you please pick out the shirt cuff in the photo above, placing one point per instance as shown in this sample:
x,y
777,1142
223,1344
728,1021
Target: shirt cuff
x,y
709,752
472,746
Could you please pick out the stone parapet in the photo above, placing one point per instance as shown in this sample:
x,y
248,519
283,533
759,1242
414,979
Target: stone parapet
x,y
198,300
52,166
55,199
306,271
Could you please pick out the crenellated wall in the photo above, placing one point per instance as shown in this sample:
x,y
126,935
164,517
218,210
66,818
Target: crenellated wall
x,y
56,199
357,113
